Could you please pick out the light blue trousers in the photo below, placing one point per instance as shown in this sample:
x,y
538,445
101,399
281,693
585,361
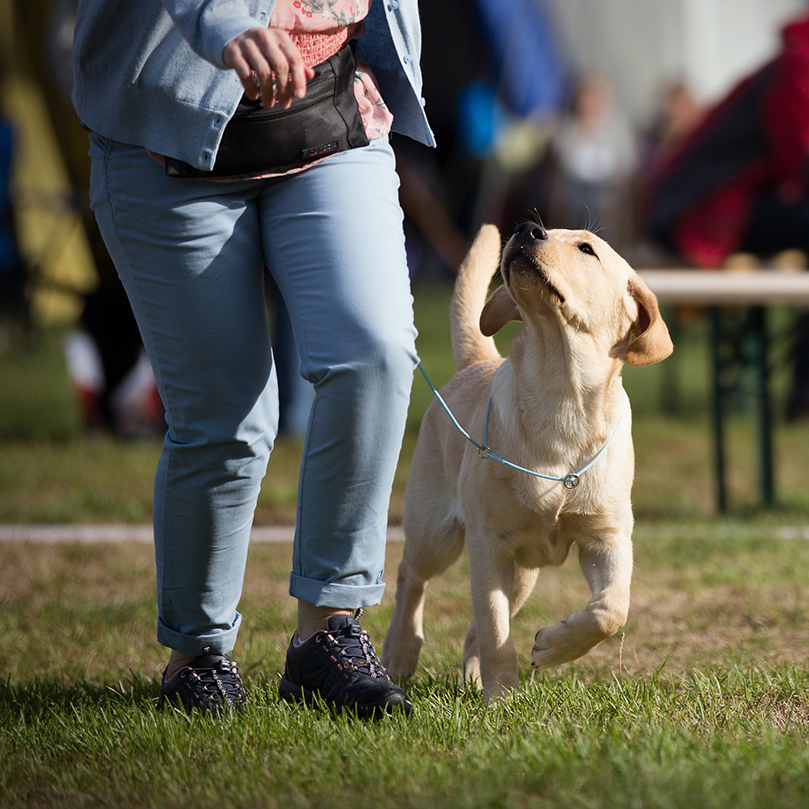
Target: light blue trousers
x,y
190,254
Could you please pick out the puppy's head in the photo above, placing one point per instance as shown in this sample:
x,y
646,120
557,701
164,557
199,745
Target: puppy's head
x,y
578,280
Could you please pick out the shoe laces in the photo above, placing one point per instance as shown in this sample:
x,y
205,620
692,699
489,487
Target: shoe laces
x,y
352,645
221,681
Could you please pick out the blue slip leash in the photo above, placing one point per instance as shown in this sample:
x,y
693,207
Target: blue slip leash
x,y
570,481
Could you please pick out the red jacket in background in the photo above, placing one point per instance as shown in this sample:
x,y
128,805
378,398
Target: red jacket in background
x,y
700,198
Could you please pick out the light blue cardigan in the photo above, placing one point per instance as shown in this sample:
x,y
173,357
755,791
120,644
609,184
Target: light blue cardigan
x,y
151,73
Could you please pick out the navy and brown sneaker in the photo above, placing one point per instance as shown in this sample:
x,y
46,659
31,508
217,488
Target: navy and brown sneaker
x,y
339,665
209,682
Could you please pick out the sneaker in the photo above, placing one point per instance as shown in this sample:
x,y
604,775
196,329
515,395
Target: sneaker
x,y
210,682
339,665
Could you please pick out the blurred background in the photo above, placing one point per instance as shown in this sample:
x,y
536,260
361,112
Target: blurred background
x,y
579,112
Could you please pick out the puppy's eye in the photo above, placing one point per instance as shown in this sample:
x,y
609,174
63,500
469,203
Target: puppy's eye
x,y
586,247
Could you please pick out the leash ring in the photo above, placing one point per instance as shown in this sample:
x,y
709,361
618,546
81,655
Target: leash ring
x,y
484,452
571,481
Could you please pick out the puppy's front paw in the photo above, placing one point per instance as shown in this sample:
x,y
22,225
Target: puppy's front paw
x,y
577,634
558,644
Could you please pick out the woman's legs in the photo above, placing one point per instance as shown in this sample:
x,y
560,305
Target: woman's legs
x,y
334,242
189,255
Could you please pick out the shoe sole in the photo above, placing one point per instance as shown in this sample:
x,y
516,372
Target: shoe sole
x,y
290,692
176,701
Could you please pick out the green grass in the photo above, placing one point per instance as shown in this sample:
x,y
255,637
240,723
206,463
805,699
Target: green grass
x,y
701,700
561,743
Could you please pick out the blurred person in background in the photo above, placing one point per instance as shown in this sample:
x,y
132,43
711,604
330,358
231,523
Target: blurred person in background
x,y
679,114
591,159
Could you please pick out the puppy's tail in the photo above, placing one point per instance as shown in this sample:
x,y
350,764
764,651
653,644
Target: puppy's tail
x,y
469,345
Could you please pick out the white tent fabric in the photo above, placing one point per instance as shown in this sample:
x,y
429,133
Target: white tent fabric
x,y
642,45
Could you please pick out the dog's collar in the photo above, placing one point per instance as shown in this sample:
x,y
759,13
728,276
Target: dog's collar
x,y
569,481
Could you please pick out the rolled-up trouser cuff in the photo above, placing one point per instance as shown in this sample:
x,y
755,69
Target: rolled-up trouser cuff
x,y
220,642
341,596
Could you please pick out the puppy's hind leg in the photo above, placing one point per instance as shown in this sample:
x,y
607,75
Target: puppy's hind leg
x,y
425,556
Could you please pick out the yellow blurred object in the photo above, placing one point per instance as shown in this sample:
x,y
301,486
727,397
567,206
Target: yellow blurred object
x,y
52,238
49,229
522,143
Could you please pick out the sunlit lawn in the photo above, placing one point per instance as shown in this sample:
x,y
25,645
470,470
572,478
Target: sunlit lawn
x,y
701,700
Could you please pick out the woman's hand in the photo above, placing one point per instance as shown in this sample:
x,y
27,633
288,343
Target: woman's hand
x,y
268,63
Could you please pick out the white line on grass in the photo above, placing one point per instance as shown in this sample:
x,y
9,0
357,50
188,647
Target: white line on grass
x,y
133,533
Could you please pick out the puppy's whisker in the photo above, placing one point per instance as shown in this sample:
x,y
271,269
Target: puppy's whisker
x,y
588,219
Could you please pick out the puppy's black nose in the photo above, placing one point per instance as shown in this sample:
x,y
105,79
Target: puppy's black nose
x,y
530,232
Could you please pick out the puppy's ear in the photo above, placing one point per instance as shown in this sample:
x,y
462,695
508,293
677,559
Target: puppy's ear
x,y
652,342
499,310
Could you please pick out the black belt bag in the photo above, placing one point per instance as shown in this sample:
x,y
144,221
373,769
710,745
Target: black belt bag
x,y
325,121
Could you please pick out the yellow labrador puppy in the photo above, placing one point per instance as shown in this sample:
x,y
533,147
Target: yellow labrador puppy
x,y
556,412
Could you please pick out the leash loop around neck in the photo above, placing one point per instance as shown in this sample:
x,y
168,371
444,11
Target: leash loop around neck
x,y
569,481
